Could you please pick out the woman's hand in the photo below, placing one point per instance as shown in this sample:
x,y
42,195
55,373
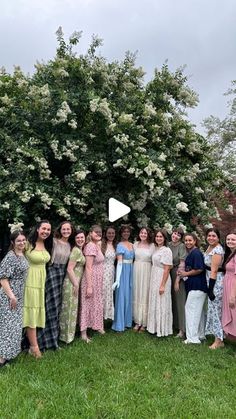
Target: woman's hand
x,y
89,291
13,302
76,289
176,285
161,289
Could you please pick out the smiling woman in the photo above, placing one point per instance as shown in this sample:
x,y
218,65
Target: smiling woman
x,y
37,253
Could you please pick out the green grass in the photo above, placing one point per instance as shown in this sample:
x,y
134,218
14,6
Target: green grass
x,y
125,375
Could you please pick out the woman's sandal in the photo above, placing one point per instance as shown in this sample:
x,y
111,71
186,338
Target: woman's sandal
x,y
2,364
142,329
136,327
86,340
35,352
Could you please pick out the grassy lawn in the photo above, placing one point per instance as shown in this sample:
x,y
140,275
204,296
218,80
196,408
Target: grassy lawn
x,y
125,375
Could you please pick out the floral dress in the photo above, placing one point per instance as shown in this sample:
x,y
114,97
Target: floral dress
x,y
160,317
14,268
69,309
91,309
214,311
108,280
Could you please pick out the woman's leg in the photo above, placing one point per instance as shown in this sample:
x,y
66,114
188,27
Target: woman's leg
x,y
32,337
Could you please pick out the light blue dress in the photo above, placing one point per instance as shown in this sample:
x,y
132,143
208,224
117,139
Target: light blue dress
x,y
123,294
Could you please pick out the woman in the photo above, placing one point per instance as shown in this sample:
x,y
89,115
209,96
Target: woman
x,y
196,288
108,249
91,310
48,338
213,258
124,281
13,271
37,253
160,317
178,288
70,292
229,291
143,250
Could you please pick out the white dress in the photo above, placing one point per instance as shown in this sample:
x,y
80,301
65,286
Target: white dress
x,y
141,282
108,280
160,316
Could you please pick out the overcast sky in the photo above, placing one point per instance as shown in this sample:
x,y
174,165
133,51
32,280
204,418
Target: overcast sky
x,y
200,34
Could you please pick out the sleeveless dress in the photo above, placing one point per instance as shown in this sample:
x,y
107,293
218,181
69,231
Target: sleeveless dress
x,y
34,295
69,308
14,268
229,314
108,280
123,294
141,282
91,309
214,310
160,317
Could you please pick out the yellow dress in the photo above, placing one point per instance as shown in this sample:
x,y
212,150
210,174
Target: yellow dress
x,y
34,295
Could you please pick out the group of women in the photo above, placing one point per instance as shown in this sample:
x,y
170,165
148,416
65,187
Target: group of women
x,y
52,286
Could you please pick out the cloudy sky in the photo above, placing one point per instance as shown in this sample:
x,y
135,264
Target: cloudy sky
x,y
200,34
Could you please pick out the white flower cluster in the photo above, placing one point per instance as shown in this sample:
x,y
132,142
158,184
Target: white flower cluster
x,y
70,155
61,72
62,114
25,196
143,220
15,227
182,207
5,100
188,96
63,213
72,123
203,205
182,133
149,110
184,228
45,198
209,225
122,139
194,148
141,203
152,168
101,106
43,167
199,190
5,205
168,227
162,157
81,174
126,118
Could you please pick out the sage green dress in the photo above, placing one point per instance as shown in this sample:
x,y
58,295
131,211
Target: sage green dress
x,y
69,308
34,294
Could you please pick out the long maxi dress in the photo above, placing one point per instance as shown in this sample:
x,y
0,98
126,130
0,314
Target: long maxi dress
x,y
214,310
91,308
14,269
34,293
108,280
123,293
141,282
178,298
160,317
69,308
229,314
48,338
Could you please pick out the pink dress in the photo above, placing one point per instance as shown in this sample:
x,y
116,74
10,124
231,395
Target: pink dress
x,y
229,314
91,309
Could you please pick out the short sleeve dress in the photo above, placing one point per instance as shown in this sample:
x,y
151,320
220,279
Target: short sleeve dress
x,y
69,309
14,268
34,296
214,310
91,309
123,293
141,282
108,280
229,314
160,317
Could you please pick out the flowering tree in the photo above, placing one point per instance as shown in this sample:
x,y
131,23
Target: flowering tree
x,y
81,130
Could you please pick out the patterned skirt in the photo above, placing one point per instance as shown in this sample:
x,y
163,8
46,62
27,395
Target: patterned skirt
x,y
48,337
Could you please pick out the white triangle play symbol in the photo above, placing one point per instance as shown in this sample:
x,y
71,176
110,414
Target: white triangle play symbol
x,y
116,209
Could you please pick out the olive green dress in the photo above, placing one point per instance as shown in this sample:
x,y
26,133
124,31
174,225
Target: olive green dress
x,y
69,309
34,295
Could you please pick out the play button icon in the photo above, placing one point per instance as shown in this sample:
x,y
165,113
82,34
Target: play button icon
x,y
116,209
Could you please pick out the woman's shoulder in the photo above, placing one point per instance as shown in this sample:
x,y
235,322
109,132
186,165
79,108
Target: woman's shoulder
x,y
218,250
